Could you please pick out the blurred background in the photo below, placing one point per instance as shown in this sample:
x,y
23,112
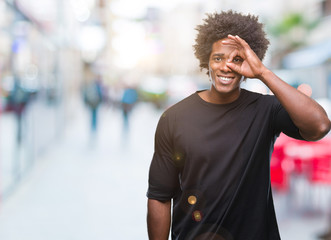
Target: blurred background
x,y
82,86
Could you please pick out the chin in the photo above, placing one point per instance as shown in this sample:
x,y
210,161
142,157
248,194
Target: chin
x,y
225,90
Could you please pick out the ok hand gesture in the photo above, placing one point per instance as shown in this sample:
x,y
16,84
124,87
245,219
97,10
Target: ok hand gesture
x,y
251,66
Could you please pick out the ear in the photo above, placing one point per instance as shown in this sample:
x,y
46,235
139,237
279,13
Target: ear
x,y
305,89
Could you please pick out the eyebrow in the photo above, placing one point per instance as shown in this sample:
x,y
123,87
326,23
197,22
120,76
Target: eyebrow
x,y
218,55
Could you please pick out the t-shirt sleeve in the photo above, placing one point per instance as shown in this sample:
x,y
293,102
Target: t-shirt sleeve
x,y
163,173
283,122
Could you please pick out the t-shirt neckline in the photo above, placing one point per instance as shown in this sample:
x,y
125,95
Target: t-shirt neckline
x,y
199,99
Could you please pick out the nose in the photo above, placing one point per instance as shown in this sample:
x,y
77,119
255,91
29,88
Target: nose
x,y
223,67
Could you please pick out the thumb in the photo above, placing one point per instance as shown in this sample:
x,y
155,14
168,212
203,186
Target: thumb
x,y
233,67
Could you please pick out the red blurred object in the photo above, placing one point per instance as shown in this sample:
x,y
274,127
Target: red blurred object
x,y
309,159
321,170
279,176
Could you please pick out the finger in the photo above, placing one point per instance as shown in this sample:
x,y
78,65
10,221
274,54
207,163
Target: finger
x,y
241,41
234,54
235,40
233,67
230,42
247,49
232,37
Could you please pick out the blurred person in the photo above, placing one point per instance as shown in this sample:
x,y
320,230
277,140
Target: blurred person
x,y
93,96
212,149
18,99
129,99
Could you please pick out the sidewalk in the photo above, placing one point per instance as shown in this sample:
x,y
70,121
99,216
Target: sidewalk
x,y
83,190
80,190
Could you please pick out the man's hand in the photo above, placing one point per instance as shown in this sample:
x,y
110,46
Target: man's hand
x,y
251,66
309,117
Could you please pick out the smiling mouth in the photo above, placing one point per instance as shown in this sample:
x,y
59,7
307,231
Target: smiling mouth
x,y
224,79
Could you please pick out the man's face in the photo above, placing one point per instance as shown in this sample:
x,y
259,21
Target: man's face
x,y
225,81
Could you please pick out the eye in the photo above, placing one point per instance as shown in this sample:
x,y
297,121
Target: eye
x,y
218,59
237,60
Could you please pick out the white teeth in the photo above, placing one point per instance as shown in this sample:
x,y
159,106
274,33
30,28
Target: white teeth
x,y
224,78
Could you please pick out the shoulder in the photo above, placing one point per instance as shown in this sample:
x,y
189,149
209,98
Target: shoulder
x,y
263,99
178,112
183,105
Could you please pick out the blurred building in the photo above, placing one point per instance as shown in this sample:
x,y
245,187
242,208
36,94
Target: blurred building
x,y
311,62
47,44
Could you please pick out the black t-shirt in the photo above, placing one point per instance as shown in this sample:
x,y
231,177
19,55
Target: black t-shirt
x,y
213,161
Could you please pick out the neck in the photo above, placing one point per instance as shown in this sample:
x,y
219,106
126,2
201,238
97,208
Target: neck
x,y
213,96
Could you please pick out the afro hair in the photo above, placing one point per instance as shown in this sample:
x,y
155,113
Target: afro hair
x,y
219,25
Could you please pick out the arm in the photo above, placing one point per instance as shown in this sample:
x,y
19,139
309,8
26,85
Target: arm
x,y
158,219
306,114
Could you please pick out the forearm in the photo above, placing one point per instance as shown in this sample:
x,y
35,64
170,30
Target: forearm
x,y
158,219
307,115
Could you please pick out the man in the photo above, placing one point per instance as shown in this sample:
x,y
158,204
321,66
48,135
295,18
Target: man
x,y
212,150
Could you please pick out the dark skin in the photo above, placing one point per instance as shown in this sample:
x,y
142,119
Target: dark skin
x,y
158,219
307,115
